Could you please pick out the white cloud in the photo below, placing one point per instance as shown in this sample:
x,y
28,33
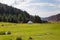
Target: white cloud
x,y
38,4
9,2
42,4
27,0
42,13
24,4
27,5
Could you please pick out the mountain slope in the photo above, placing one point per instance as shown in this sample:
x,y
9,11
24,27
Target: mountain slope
x,y
53,18
8,9
11,14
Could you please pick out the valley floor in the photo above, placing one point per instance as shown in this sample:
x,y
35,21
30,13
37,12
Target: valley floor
x,y
48,31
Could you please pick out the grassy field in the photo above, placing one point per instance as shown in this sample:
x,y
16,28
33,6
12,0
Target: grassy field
x,y
48,31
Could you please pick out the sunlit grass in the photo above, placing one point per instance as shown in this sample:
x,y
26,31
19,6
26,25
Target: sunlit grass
x,y
48,31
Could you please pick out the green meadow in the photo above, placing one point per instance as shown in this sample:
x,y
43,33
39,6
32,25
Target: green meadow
x,y
48,31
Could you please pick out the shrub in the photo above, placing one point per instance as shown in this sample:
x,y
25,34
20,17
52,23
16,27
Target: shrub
x,y
8,33
18,38
2,25
30,38
44,21
2,33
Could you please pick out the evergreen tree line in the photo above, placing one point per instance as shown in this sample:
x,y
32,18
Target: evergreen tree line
x,y
19,18
11,14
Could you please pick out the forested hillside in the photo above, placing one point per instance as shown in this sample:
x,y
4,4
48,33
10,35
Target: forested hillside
x,y
11,14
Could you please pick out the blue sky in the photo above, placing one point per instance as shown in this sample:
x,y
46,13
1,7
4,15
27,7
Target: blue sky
x,y
43,8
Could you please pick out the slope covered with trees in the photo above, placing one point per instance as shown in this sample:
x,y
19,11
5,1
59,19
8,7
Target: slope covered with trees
x,y
11,14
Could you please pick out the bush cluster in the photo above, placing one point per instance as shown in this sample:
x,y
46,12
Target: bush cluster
x,y
4,33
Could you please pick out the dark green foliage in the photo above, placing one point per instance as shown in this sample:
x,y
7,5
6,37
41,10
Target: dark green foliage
x,y
2,33
2,25
11,14
30,38
8,33
18,38
43,21
37,19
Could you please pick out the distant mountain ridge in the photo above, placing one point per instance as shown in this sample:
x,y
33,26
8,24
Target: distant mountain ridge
x,y
53,18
